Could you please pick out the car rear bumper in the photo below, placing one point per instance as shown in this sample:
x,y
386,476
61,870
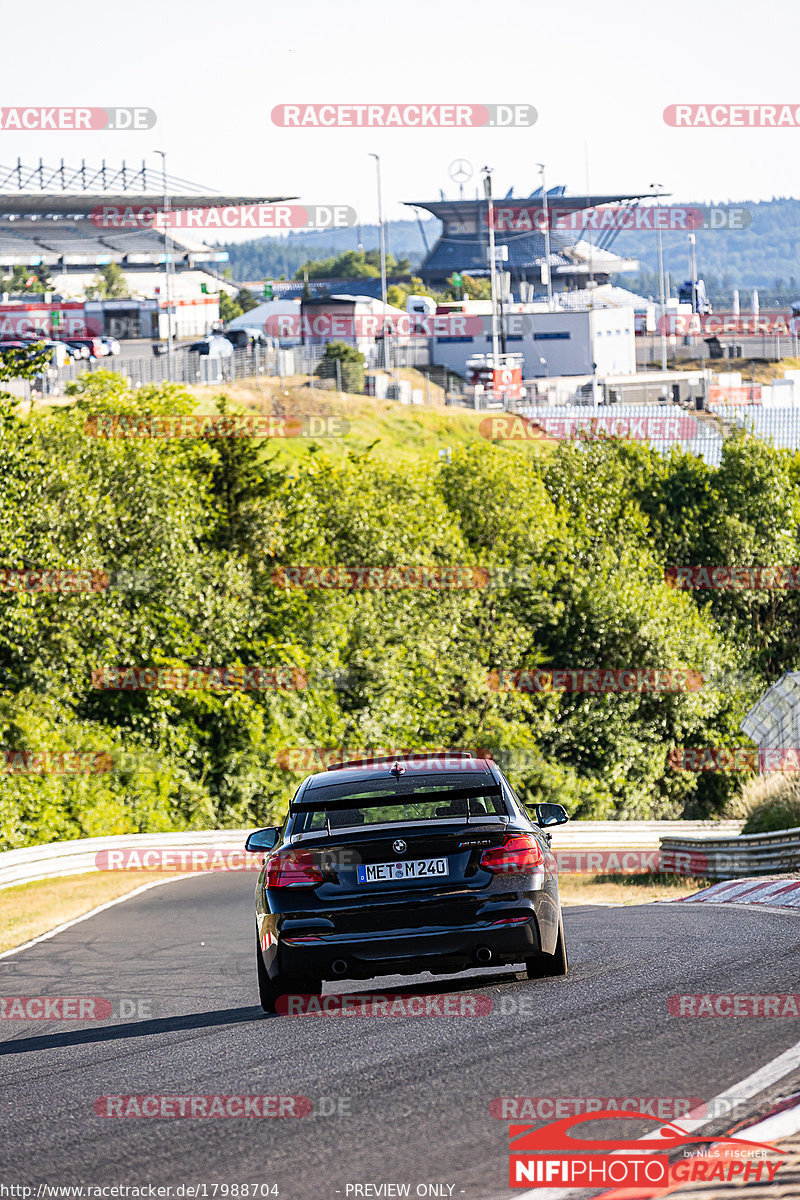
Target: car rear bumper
x,y
407,952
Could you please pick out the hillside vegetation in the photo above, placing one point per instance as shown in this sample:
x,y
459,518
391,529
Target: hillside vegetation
x,y
191,534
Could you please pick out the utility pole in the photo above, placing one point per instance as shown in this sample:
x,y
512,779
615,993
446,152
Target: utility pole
x,y
661,298
693,271
167,262
546,238
487,187
382,232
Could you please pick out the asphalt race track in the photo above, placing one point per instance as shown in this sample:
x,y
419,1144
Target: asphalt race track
x,y
408,1097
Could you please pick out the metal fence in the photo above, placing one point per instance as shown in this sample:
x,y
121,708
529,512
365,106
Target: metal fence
x,y
732,858
188,367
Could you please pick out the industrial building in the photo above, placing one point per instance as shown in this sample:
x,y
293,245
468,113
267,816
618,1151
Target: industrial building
x,y
552,343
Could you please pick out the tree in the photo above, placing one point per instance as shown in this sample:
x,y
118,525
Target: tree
x,y
351,368
476,289
110,284
353,264
398,293
246,300
228,307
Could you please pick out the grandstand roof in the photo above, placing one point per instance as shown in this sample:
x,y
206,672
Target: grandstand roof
x,y
450,209
45,215
463,243
81,204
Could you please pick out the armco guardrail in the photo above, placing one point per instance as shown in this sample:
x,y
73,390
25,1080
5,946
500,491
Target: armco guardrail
x,y
732,857
633,835
55,859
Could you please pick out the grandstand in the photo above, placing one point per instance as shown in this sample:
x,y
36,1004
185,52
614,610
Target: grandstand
x,y
45,219
573,261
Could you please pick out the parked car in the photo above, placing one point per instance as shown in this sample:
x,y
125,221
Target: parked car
x,y
214,345
93,346
111,344
397,866
60,354
246,338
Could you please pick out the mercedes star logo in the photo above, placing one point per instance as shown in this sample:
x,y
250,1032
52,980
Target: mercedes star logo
x,y
460,170
399,846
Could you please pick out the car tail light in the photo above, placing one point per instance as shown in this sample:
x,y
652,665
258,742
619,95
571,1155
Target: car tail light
x,y
292,868
519,854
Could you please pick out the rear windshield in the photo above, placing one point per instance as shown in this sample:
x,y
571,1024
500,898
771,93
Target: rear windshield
x,y
387,802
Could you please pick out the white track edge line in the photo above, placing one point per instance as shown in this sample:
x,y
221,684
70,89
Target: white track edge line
x,y
43,937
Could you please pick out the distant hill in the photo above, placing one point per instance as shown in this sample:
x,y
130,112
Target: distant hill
x,y
766,255
271,257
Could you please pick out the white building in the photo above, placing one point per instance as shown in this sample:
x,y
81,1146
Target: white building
x,y
594,340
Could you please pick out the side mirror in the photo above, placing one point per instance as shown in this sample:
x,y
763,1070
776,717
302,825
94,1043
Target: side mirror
x,y
550,814
263,839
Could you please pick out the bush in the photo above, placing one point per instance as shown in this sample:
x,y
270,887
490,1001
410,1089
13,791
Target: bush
x,y
351,366
772,803
191,535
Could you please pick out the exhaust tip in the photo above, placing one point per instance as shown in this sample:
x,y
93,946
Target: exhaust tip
x,y
483,954
339,966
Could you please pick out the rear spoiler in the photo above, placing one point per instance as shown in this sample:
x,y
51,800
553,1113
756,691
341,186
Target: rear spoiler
x,y
312,801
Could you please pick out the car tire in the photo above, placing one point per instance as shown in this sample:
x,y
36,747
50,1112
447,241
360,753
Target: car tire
x,y
270,989
267,991
547,966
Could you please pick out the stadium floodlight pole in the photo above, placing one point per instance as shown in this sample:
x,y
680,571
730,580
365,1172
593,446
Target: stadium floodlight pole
x,y
546,238
661,296
386,343
167,261
487,187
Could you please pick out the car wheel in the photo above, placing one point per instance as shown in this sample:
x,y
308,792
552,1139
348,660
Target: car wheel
x,y
267,991
546,966
270,989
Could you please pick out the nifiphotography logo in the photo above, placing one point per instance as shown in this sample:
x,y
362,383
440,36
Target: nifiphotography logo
x,y
549,1156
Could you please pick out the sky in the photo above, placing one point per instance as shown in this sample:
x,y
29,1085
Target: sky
x,y
599,77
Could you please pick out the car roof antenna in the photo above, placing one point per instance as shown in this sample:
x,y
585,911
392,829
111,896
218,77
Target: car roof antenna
x,y
397,770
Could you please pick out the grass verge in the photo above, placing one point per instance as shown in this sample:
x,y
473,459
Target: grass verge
x,y
393,433
35,908
625,889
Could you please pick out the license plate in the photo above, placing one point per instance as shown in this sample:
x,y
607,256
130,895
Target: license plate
x,y
415,868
